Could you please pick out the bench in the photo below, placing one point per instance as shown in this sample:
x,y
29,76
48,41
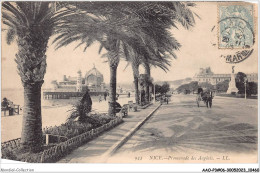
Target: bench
x,y
124,111
132,106
51,139
12,109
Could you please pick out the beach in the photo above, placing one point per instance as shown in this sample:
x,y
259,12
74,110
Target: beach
x,y
54,112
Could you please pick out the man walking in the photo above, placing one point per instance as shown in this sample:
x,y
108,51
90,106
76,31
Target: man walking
x,y
105,96
100,98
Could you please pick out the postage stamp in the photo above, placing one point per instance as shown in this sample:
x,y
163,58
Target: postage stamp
x,y
236,26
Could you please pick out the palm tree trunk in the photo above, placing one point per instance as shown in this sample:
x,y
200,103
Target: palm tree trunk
x,y
148,72
32,138
147,94
112,91
142,95
137,99
135,68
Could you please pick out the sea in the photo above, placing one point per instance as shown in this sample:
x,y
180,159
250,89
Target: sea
x,y
16,95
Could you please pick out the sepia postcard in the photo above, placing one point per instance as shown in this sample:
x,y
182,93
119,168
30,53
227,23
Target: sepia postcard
x,y
140,82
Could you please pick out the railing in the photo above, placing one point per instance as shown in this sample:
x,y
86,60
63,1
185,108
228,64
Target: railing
x,y
68,95
14,143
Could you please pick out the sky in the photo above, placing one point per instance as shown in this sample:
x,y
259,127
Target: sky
x,y
197,51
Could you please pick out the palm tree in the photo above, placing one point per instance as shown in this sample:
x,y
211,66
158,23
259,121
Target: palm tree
x,y
114,30
165,42
88,29
119,25
161,18
31,25
136,60
163,64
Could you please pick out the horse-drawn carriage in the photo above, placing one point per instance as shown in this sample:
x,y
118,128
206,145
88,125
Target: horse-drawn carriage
x,y
206,97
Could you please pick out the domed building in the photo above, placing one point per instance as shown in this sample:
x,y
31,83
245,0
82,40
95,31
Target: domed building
x,y
92,80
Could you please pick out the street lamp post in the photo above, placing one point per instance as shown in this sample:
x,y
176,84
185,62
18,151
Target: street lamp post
x,y
245,79
154,93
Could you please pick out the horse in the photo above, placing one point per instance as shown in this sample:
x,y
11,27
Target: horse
x,y
204,96
207,98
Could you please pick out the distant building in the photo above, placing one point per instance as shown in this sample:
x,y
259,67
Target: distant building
x,y
252,77
206,75
93,80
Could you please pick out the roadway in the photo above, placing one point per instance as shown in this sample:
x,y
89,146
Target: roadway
x,y
180,132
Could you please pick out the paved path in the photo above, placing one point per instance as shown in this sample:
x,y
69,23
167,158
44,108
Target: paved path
x,y
181,129
95,150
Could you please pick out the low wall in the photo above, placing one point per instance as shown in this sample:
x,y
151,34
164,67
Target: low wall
x,y
57,152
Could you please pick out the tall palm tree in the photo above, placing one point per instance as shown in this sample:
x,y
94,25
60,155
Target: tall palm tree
x,y
179,12
136,60
114,30
163,64
162,16
118,25
31,25
87,29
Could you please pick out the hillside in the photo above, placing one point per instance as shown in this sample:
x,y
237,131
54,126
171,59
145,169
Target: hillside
x,y
176,83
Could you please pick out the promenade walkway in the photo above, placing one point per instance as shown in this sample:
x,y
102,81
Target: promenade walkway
x,y
95,151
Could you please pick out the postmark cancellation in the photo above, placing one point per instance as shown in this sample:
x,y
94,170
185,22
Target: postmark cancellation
x,y
235,26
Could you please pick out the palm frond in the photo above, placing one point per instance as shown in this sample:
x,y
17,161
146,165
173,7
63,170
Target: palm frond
x,y
128,63
10,36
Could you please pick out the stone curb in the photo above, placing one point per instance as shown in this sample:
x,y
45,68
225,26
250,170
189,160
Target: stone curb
x,y
145,106
125,138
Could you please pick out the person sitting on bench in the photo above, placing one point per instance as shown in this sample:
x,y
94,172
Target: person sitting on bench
x,y
5,104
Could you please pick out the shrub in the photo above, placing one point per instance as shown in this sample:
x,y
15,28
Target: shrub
x,y
252,88
20,154
81,109
187,88
98,120
223,86
7,153
69,129
74,128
